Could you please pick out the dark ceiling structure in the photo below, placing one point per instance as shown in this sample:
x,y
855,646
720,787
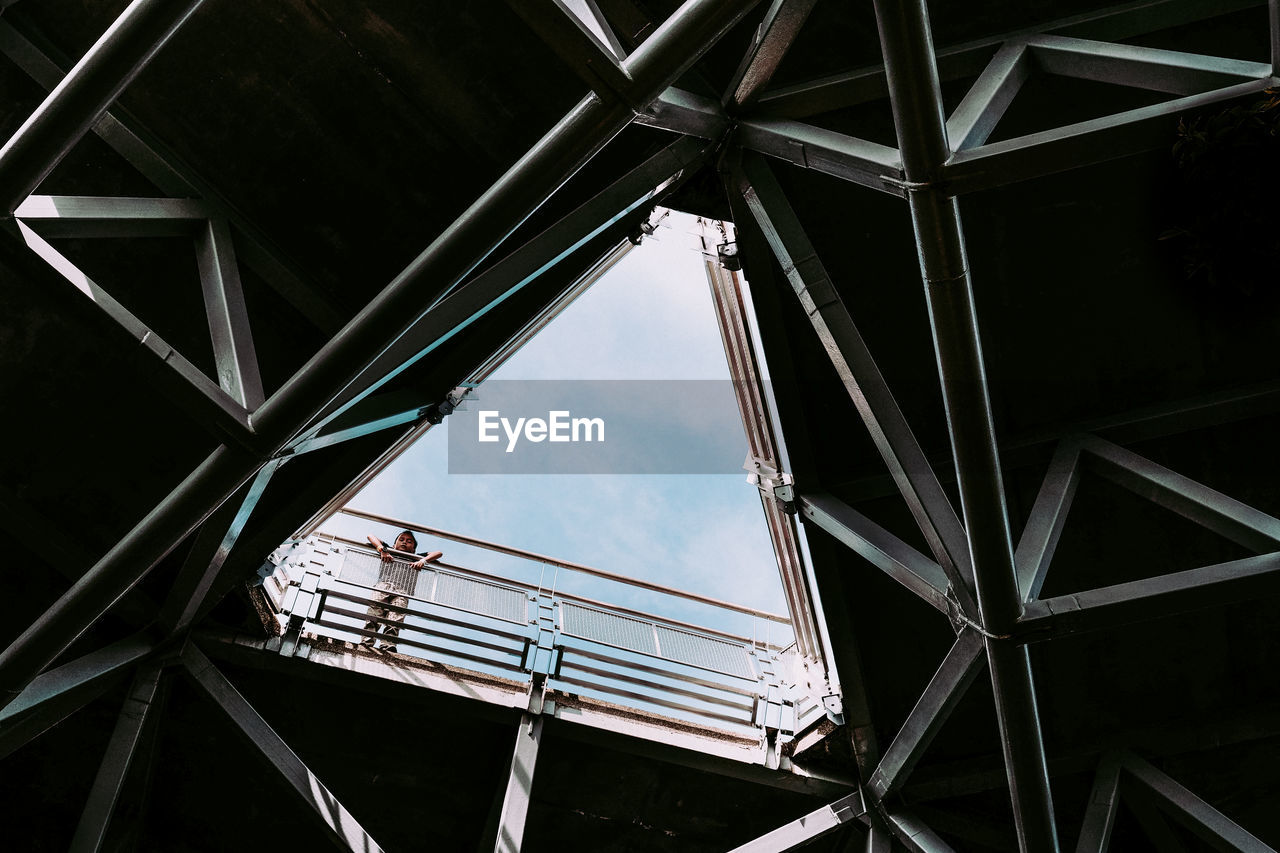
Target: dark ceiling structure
x,y
248,246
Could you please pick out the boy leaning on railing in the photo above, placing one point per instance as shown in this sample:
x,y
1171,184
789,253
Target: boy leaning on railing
x,y
396,581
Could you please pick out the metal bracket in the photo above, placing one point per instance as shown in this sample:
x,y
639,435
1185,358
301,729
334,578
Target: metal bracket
x,y
776,712
834,705
779,485
541,656
458,397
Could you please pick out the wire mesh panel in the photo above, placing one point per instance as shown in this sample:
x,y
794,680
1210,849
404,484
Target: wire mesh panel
x,y
703,651
501,602
610,628
370,569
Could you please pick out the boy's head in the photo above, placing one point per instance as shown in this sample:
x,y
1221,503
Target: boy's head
x,y
406,541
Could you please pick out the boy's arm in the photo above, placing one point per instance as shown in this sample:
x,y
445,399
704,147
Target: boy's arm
x,y
379,547
427,558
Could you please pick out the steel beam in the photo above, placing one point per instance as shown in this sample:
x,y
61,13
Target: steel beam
x,y
846,653
203,565
108,216
879,840
180,380
573,41
735,333
1085,143
1169,71
235,358
861,377
162,168
666,54
1100,814
679,111
878,546
719,759
1153,598
811,827
81,216
834,624
1240,726
968,830
60,692
115,59
1205,506
640,186
915,835
340,826
24,524
989,96
1173,418
858,161
773,38
914,94
1115,23
107,785
945,690
519,788
1048,515
122,567
481,373
591,8
319,442
1206,822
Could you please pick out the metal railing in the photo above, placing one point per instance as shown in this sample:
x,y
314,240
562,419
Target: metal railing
x,y
332,590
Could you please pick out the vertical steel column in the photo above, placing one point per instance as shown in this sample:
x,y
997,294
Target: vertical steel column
x,y
85,94
914,92
519,789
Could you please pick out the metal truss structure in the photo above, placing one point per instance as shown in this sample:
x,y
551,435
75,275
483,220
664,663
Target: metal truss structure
x,y
544,213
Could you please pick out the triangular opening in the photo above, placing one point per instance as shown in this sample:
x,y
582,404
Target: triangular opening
x,y
649,320
1074,100
123,267
1113,536
1083,80
623,585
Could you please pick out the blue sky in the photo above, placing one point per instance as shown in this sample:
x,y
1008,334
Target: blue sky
x,y
651,317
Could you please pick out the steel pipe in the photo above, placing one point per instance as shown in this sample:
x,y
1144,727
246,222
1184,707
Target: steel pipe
x,y
456,252
85,93
916,99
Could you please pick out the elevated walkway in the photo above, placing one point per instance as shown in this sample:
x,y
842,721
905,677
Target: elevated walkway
x,y
546,651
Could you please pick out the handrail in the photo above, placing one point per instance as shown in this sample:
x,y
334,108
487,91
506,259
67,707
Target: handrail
x,y
565,564
570,596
